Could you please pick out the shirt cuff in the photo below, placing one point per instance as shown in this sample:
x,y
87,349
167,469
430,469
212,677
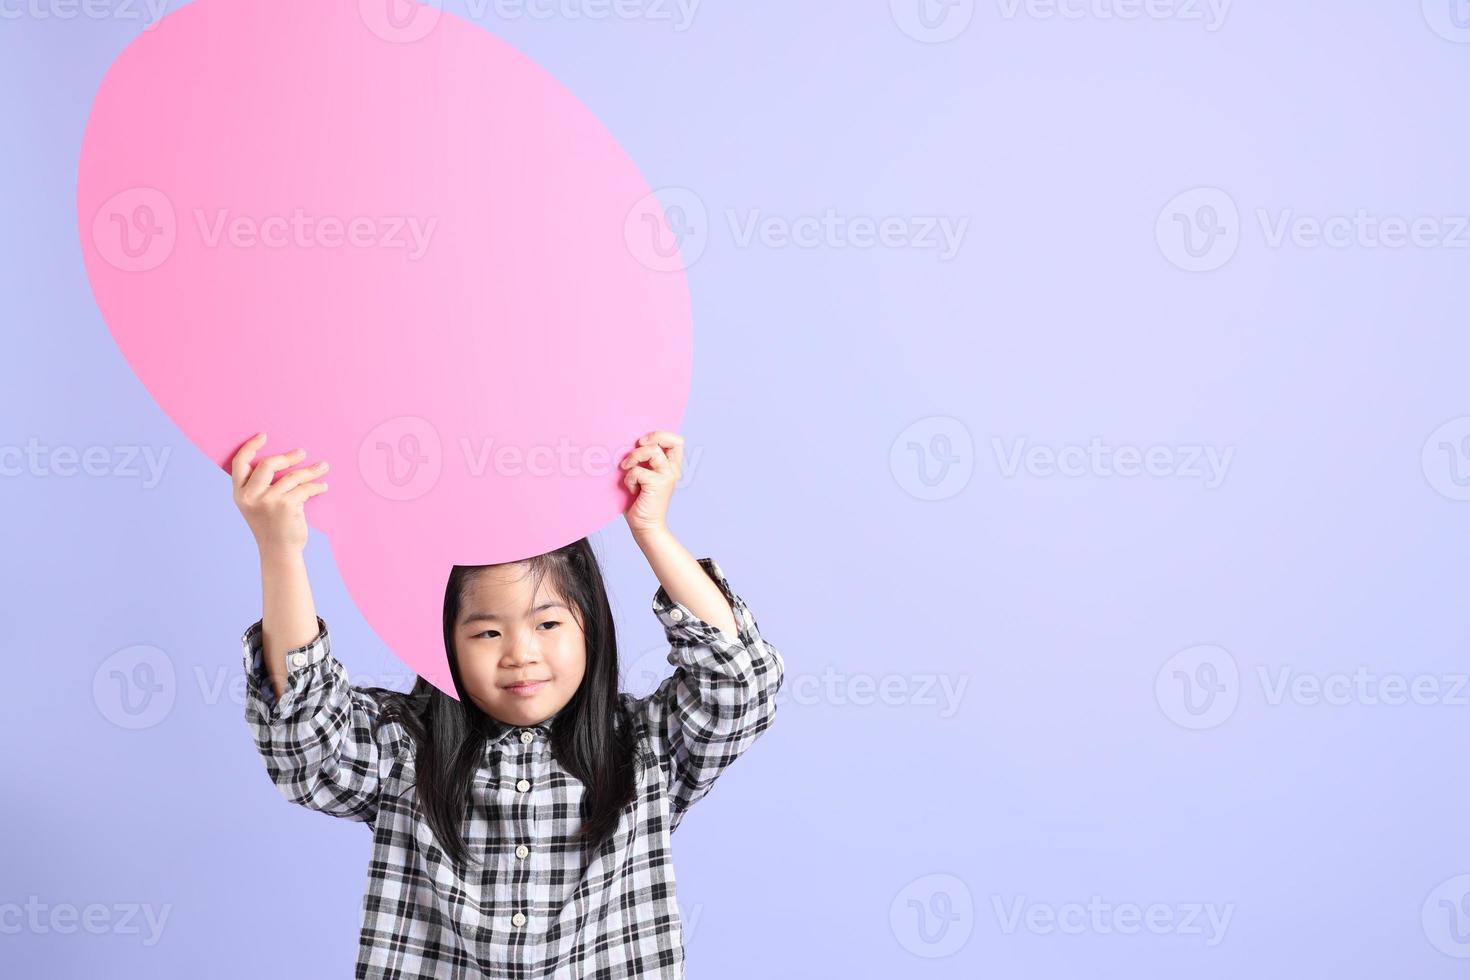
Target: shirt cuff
x,y
680,622
298,661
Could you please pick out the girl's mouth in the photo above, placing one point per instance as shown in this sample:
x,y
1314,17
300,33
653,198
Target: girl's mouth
x,y
526,690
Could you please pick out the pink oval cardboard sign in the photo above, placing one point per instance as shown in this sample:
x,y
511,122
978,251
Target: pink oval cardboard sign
x,y
376,231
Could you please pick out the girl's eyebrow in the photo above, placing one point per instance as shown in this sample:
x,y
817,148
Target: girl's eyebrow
x,y
476,617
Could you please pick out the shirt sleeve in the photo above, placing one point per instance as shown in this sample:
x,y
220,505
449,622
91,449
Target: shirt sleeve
x,y
318,739
720,697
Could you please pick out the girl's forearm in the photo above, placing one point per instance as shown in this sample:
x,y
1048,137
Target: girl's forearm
x,y
684,580
289,617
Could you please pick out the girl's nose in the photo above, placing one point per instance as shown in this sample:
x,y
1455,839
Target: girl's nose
x,y
521,652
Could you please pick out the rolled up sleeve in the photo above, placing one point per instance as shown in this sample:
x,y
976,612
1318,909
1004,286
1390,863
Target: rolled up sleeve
x,y
719,699
319,740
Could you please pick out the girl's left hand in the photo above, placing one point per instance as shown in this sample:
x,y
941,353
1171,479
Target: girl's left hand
x,y
663,454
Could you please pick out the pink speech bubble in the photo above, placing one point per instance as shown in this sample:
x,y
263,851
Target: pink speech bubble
x,y
376,231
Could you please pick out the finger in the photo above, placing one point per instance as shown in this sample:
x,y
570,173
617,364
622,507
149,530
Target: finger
x,y
305,492
643,476
659,460
293,479
240,464
663,438
266,469
640,454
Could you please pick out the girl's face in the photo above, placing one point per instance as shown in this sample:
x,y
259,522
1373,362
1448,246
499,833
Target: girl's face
x,y
521,654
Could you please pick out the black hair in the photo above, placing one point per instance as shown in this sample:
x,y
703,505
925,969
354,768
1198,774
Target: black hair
x,y
591,736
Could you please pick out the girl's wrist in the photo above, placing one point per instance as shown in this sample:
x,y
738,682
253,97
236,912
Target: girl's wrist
x,y
279,556
652,537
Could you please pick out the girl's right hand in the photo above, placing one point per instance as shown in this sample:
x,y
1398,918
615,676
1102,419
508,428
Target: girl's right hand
x,y
275,511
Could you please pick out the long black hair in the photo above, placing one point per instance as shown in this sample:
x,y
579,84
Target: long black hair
x,y
590,736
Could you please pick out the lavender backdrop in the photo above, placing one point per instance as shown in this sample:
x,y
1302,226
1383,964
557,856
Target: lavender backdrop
x,y
1080,404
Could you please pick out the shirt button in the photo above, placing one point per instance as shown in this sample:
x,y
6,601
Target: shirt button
x,y
526,738
676,614
522,850
519,919
523,785
298,660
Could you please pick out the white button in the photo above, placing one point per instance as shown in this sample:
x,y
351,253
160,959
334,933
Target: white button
x,y
523,785
526,738
519,919
676,614
522,850
298,660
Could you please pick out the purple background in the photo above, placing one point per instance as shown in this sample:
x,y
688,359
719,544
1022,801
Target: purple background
x,y
831,383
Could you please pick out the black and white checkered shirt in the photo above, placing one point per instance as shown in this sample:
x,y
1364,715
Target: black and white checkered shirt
x,y
534,908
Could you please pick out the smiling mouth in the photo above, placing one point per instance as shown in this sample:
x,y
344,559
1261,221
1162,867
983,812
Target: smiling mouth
x,y
526,689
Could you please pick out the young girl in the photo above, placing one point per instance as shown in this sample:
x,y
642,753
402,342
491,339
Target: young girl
x,y
523,830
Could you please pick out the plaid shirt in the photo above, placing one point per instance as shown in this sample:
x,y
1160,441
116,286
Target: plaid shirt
x,y
534,908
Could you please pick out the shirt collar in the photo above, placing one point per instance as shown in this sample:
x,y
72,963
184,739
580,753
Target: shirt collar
x,y
501,731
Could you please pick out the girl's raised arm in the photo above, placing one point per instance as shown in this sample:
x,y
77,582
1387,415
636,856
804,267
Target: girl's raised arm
x,y
276,514
722,693
318,735
719,699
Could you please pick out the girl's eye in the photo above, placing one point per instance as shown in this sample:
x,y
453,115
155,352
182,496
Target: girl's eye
x,y
493,633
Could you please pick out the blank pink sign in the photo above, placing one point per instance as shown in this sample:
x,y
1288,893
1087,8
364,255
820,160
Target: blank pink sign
x,y
376,231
